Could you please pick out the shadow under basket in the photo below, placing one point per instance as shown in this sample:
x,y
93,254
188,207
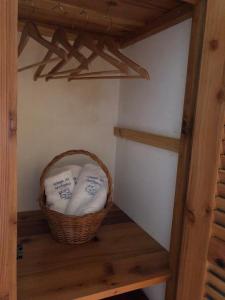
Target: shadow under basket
x,y
71,229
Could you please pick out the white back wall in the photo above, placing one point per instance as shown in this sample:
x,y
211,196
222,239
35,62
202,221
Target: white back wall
x,y
146,176
56,116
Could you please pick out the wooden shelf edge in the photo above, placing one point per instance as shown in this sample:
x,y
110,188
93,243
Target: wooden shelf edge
x,y
132,287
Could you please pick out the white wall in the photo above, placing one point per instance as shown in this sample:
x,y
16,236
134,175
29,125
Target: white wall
x,y
146,176
56,116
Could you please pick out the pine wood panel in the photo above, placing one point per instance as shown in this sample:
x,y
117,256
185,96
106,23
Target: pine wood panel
x,y
121,258
207,135
44,12
8,68
124,18
148,138
195,52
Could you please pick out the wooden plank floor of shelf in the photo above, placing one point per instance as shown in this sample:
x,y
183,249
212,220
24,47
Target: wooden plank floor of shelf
x,y
121,258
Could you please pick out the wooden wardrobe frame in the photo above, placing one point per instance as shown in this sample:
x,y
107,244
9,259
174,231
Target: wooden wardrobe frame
x,y
203,120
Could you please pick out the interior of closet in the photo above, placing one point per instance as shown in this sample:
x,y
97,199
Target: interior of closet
x,y
98,75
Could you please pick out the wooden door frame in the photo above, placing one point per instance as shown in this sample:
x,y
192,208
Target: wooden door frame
x,y
8,166
202,105
193,73
200,148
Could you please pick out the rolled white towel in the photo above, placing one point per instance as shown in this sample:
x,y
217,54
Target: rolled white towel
x,y
94,205
90,192
59,206
58,190
75,170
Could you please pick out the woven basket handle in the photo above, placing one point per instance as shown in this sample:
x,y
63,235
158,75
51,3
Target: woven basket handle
x,y
73,152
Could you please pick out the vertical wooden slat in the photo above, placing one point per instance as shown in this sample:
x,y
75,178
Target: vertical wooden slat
x,y
8,93
195,52
205,156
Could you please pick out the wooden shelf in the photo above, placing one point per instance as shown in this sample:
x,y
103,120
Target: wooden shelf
x,y
121,258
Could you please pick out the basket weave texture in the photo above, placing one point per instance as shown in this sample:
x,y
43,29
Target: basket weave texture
x,y
71,229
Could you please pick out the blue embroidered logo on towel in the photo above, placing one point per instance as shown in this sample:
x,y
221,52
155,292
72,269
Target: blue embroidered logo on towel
x,y
94,185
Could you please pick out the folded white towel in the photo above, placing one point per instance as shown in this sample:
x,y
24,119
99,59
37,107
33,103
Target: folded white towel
x,y
90,192
75,169
58,190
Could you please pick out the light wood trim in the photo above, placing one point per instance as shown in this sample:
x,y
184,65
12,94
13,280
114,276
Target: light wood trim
x,y
151,139
219,217
173,17
217,270
216,282
214,293
208,130
8,165
216,251
221,189
193,72
125,289
220,203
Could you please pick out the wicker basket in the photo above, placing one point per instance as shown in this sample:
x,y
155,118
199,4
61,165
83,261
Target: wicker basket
x,y
72,229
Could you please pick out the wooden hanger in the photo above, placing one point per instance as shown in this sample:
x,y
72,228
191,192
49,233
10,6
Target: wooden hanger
x,y
88,42
30,30
47,57
73,52
75,71
103,47
113,48
41,63
23,40
90,59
